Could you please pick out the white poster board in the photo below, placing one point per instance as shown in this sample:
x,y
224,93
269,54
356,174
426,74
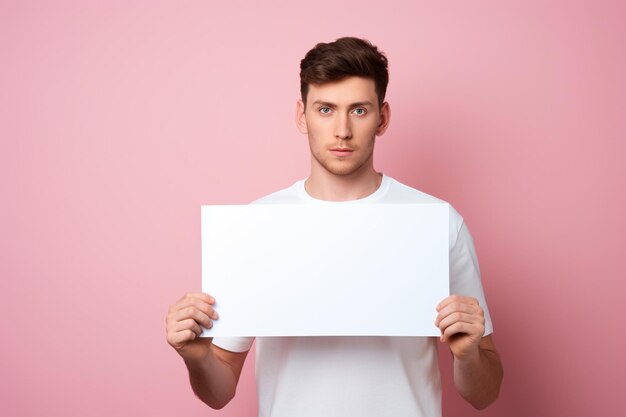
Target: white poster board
x,y
325,270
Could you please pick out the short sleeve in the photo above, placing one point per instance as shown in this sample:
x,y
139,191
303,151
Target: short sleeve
x,y
234,344
465,272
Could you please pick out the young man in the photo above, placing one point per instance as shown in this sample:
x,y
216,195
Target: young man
x,y
342,110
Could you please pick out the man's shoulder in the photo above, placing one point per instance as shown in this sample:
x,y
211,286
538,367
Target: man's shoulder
x,y
289,195
402,193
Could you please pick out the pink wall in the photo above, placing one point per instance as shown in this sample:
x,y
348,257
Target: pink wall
x,y
118,121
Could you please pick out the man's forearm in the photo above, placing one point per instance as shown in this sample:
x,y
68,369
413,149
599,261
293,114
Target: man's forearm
x,y
478,378
212,380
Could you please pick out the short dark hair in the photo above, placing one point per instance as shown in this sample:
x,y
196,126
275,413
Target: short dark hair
x,y
344,58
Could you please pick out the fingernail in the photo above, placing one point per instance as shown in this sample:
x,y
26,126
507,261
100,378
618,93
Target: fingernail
x,y
215,315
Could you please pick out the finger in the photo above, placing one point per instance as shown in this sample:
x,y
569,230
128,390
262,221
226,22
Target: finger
x,y
192,313
457,307
188,300
459,327
456,299
179,339
198,304
188,324
459,317
207,298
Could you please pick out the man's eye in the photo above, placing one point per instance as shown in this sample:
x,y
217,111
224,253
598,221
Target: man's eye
x,y
324,110
359,112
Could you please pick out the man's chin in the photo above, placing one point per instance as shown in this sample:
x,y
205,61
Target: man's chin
x,y
342,170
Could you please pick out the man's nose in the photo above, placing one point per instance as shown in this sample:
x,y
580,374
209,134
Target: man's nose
x,y
342,127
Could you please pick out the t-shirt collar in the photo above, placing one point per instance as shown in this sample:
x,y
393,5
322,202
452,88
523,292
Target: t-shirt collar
x,y
375,196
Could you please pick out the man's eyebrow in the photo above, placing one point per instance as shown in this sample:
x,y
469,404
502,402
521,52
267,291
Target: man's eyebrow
x,y
362,103
333,105
324,103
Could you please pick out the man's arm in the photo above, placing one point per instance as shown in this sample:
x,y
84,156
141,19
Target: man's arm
x,y
214,379
213,372
477,367
478,378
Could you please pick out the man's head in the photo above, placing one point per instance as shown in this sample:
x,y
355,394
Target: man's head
x,y
343,58
342,108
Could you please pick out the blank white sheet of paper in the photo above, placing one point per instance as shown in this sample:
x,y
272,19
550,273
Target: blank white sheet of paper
x,y
325,270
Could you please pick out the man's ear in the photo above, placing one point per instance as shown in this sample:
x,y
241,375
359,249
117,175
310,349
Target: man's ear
x,y
301,118
385,117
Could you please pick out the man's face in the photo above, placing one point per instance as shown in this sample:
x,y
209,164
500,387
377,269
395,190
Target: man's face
x,y
342,120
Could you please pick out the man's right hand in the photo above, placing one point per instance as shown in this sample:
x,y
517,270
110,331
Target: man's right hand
x,y
183,325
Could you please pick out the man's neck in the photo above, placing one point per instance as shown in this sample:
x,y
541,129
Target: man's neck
x,y
324,185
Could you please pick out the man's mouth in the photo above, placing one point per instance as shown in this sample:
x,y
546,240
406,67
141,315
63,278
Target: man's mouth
x,y
341,151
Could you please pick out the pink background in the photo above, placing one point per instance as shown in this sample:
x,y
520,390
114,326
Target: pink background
x,y
119,119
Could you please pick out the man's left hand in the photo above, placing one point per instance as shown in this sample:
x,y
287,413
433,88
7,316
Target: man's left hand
x,y
462,324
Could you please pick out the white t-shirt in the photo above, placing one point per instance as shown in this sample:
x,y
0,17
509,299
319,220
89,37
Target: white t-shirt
x,y
362,375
